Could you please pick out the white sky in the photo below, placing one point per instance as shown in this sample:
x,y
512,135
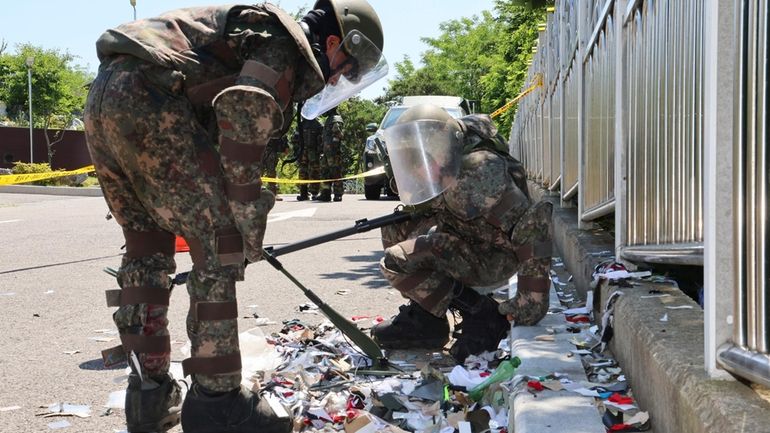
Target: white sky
x,y
74,25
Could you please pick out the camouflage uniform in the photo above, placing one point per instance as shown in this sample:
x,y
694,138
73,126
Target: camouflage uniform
x,y
177,120
275,148
310,159
479,232
331,162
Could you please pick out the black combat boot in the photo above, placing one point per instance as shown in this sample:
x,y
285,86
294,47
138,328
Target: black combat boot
x,y
337,197
482,326
303,197
324,195
236,411
152,405
412,327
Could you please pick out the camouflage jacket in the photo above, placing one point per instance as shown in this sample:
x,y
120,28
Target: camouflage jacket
x,y
210,45
490,195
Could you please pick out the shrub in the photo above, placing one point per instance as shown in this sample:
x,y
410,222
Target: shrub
x,y
30,168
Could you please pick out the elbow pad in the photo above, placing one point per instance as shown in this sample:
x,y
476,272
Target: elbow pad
x,y
247,117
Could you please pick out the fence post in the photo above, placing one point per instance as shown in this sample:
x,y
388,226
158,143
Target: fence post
x,y
718,264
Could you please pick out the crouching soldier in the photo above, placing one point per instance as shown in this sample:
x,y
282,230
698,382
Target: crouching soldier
x,y
478,227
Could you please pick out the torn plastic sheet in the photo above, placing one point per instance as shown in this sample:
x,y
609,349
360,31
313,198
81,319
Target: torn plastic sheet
x,y
67,409
59,425
459,376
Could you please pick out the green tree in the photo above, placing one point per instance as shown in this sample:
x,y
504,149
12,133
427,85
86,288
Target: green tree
x,y
356,113
59,88
482,58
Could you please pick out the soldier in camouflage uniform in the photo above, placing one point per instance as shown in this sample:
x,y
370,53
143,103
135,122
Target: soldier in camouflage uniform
x,y
310,158
475,235
331,161
177,121
275,148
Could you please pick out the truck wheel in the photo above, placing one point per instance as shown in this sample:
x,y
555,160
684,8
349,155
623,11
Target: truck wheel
x,y
372,192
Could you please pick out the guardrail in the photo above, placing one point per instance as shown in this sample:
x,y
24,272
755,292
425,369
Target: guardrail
x,y
618,127
747,353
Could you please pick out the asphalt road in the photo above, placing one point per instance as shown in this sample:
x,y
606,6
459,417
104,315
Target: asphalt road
x,y
52,296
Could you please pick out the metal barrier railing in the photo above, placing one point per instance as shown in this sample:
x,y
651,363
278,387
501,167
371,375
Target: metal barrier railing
x,y
599,115
652,120
747,355
664,111
648,132
570,128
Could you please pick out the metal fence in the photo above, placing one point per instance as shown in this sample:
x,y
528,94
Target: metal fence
x,y
747,353
624,113
646,130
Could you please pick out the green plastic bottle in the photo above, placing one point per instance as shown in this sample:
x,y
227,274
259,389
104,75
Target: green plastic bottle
x,y
504,371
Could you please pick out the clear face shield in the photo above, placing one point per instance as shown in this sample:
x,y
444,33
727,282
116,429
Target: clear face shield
x,y
363,64
425,156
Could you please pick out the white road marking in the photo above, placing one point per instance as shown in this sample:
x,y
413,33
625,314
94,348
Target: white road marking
x,y
282,216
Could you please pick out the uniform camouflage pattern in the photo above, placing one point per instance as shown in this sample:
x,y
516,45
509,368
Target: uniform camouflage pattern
x,y
156,151
276,148
471,235
310,159
331,162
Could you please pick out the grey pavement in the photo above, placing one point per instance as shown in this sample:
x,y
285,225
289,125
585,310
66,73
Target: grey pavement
x,y
552,411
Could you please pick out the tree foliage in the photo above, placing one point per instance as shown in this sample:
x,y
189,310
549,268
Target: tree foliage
x,y
482,58
58,87
356,113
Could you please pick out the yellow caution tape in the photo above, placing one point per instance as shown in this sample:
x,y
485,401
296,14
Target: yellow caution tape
x,y
13,179
506,107
376,171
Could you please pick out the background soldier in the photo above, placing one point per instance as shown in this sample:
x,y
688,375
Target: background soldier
x,y
331,161
309,164
177,121
275,148
477,229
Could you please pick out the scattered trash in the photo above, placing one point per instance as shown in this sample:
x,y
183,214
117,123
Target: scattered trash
x,y
664,318
71,352
58,425
48,292
67,409
9,408
342,292
264,321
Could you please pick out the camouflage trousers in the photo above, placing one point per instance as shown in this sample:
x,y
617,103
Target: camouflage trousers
x,y
270,166
309,168
423,262
150,156
331,167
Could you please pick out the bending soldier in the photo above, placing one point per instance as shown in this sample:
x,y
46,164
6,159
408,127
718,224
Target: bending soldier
x,y
478,228
331,161
177,121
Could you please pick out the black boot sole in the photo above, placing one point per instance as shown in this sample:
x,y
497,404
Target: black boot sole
x,y
165,424
432,343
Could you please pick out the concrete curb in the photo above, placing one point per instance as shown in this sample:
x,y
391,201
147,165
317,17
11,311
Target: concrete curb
x,y
551,411
663,361
52,190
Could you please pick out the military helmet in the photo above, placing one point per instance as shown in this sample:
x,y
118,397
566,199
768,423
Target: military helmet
x,y
424,112
356,15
